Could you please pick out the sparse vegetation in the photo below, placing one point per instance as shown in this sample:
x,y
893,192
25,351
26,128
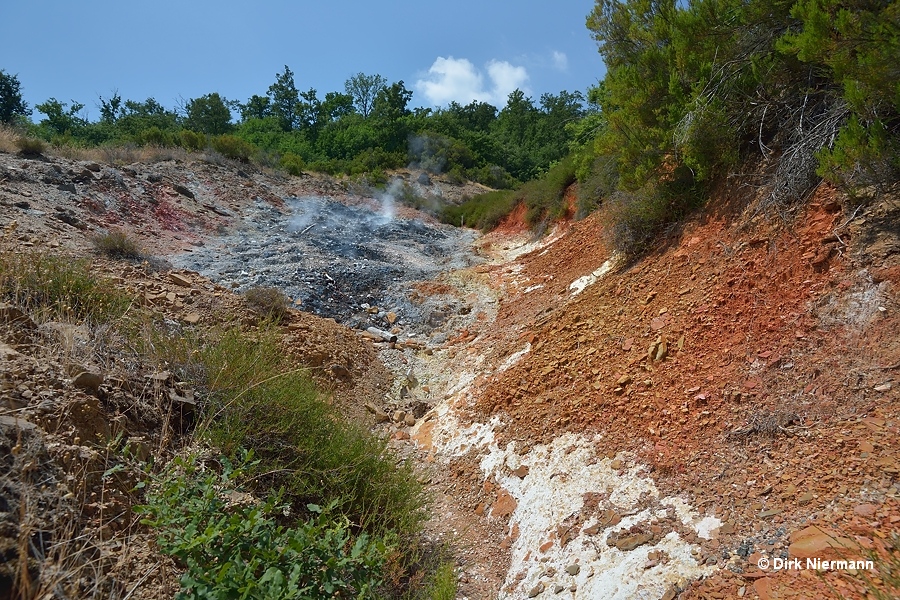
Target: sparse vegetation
x,y
29,146
444,584
58,286
268,302
259,403
359,544
543,199
118,244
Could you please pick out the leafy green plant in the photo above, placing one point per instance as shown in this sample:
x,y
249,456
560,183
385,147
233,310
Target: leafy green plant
x,y
154,136
191,140
293,164
258,402
232,147
232,546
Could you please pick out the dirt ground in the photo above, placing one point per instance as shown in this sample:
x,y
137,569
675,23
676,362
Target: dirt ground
x,y
750,363
748,366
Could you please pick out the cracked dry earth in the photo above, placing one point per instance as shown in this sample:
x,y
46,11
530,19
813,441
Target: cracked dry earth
x,y
589,427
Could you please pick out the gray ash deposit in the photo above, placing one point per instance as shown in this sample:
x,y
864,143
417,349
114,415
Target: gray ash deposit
x,y
336,260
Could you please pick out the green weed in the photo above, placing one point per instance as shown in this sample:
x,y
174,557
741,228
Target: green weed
x,y
232,546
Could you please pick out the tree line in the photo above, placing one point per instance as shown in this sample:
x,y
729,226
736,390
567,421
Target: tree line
x,y
369,126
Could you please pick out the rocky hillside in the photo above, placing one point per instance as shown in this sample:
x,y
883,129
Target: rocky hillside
x,y
589,427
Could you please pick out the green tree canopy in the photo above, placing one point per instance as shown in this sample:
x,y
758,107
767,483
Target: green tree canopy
x,y
11,103
284,99
364,89
208,114
61,118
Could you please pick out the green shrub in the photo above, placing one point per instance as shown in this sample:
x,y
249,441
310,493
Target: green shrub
x,y
118,244
493,176
232,147
484,211
543,199
293,164
261,405
29,146
58,287
154,136
269,302
193,141
638,217
236,549
600,182
376,159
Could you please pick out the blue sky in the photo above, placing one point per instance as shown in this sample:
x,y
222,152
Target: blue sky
x,y
443,51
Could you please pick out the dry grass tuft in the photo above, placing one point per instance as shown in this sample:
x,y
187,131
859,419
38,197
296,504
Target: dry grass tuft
x,y
8,137
268,302
118,244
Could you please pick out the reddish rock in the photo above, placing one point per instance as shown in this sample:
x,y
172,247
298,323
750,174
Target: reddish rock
x,y
814,542
504,505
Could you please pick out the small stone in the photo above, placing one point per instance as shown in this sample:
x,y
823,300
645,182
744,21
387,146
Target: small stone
x,y
866,510
624,380
12,314
558,589
805,498
573,569
179,280
192,318
88,381
410,420
884,387
813,541
866,447
521,472
399,416
536,590
633,541
504,506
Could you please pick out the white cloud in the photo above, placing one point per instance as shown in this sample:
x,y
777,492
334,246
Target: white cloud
x,y
560,61
451,79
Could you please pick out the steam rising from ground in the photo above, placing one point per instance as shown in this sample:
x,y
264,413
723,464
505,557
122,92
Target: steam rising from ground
x,y
330,258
